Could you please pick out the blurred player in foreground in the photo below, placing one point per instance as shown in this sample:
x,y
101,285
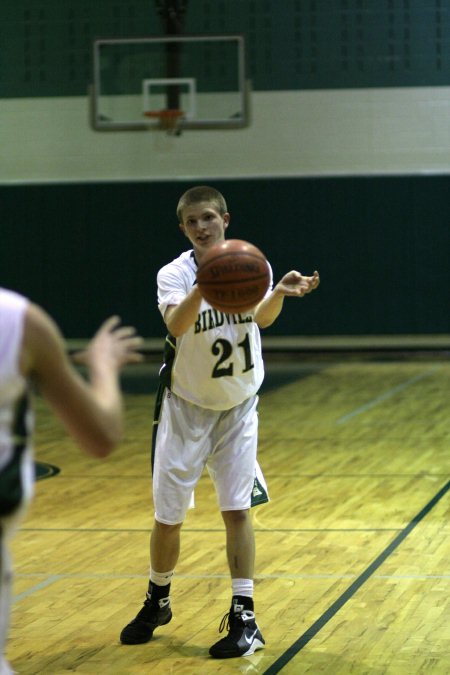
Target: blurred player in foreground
x,y
32,351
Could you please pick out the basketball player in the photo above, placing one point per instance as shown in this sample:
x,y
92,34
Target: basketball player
x,y
31,349
206,416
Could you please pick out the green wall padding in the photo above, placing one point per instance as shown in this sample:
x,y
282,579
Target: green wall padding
x,y
381,244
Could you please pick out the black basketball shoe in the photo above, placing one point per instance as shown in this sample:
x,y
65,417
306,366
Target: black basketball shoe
x,y
141,629
244,636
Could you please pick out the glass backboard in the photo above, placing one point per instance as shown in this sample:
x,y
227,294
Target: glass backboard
x,y
202,76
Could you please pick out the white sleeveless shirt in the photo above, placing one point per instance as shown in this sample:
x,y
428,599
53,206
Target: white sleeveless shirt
x,y
15,422
218,361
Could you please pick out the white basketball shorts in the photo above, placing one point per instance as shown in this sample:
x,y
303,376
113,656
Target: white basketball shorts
x,y
188,439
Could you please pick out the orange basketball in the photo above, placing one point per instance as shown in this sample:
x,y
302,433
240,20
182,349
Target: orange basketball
x,y
233,276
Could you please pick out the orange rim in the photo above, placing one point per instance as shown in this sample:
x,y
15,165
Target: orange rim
x,y
169,114
168,119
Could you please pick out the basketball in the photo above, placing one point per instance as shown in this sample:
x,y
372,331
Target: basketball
x,y
233,276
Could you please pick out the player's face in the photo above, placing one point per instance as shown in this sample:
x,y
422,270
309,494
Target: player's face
x,y
203,226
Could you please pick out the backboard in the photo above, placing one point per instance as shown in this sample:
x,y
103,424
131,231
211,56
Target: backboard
x,y
202,76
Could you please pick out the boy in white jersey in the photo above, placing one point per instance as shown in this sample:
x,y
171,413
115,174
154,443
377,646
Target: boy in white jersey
x,y
206,416
31,347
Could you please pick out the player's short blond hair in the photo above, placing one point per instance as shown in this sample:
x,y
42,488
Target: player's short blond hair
x,y
202,193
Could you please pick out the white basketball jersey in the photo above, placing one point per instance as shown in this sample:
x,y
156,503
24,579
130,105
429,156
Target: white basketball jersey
x,y
218,362
12,383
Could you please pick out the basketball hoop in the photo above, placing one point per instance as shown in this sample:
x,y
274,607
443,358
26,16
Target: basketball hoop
x,y
169,119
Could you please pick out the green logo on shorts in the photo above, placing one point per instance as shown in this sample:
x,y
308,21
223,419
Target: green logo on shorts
x,y
259,495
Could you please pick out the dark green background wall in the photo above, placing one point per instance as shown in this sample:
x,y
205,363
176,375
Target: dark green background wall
x,y
291,44
381,244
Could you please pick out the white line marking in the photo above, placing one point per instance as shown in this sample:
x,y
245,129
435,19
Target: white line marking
x,y
371,404
36,587
88,577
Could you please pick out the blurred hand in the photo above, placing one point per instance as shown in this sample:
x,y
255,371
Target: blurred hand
x,y
113,346
295,284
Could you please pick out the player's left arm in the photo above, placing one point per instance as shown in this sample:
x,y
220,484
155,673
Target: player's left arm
x,y
293,284
91,412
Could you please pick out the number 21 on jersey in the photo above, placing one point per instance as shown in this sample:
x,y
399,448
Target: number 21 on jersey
x,y
223,349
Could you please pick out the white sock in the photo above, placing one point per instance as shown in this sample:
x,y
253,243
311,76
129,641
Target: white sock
x,y
242,587
159,585
161,578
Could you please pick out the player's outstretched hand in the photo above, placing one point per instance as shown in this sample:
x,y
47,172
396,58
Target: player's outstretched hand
x,y
295,284
113,346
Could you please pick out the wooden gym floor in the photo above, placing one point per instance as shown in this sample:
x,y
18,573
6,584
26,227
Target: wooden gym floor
x,y
353,550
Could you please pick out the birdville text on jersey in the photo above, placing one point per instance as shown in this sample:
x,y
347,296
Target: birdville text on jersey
x,y
212,318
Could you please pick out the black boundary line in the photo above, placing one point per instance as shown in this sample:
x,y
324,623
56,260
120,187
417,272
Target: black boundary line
x,y
353,588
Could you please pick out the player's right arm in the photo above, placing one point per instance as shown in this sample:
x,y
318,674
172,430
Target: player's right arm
x,y
91,412
179,318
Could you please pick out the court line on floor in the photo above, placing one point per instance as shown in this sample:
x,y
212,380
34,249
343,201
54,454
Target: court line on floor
x,y
220,530
301,577
388,394
48,581
323,474
37,587
312,631
105,575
